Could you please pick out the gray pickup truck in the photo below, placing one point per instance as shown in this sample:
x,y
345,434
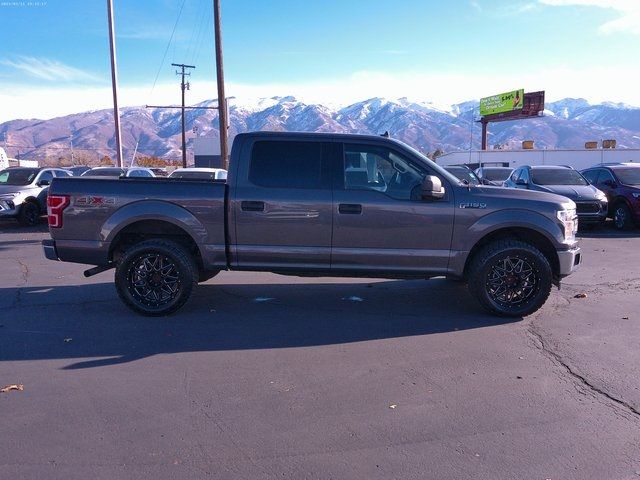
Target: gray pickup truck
x,y
315,205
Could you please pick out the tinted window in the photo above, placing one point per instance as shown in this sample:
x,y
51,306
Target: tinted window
x,y
103,172
18,176
604,176
496,174
286,164
591,175
46,175
629,176
61,173
556,176
139,173
462,173
380,169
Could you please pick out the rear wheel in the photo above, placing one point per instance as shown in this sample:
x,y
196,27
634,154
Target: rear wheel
x,y
622,217
155,277
29,214
510,278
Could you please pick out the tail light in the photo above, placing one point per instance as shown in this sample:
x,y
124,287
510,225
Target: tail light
x,y
55,205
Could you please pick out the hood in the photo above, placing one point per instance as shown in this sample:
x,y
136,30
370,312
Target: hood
x,y
574,192
5,189
519,194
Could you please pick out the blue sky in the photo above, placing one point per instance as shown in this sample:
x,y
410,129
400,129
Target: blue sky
x,y
55,57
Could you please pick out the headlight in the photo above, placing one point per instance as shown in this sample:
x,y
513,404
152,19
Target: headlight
x,y
569,220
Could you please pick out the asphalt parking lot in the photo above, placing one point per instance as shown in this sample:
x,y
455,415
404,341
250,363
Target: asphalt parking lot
x,y
265,376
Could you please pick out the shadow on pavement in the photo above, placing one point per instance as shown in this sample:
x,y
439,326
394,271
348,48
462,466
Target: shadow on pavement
x,y
41,321
12,226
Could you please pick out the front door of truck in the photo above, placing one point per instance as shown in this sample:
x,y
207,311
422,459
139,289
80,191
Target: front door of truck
x,y
282,206
380,222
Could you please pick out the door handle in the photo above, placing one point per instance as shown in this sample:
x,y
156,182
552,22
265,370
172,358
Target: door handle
x,y
250,206
350,208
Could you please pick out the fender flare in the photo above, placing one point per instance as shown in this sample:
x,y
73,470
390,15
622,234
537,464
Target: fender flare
x,y
516,218
145,210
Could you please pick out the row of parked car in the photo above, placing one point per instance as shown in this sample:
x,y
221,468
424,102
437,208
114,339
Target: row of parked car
x,y
23,190
600,192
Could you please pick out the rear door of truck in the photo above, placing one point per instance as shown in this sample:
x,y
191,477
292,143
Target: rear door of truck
x,y
281,204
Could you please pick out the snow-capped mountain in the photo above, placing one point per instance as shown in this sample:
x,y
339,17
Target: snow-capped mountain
x,y
567,123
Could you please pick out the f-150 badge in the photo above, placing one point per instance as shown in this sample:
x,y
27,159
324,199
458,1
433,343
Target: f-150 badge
x,y
473,205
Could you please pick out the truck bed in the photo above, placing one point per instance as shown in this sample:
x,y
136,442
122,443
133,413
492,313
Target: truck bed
x,y
103,210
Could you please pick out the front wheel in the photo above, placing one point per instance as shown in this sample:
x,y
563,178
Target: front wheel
x,y
155,277
622,217
29,214
510,278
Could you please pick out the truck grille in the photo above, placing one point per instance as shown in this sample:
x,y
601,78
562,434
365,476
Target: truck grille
x,y
588,207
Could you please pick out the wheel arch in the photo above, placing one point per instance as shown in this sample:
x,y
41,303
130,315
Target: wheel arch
x,y
523,234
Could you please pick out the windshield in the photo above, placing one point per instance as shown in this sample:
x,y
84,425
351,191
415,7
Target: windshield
x,y
556,176
494,174
103,172
629,176
464,174
18,176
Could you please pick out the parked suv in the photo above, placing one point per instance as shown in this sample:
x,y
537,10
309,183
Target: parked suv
x,y
591,203
621,185
23,192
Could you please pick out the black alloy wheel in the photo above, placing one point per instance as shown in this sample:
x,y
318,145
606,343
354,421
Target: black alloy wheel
x,y
155,277
510,278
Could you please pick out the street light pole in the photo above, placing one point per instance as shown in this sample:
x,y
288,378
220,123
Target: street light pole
x,y
114,84
222,101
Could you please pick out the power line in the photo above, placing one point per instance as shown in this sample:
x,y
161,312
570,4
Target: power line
x,y
167,49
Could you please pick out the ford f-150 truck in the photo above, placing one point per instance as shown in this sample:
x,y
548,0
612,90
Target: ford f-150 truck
x,y
315,204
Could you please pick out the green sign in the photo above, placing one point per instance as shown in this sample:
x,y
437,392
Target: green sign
x,y
504,102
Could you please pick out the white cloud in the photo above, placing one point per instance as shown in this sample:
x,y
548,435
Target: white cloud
x,y
596,84
628,10
49,70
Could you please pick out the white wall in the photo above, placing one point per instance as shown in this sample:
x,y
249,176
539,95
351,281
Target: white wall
x,y
578,159
206,146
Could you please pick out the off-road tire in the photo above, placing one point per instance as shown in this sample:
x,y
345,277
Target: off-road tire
x,y
160,268
29,214
485,268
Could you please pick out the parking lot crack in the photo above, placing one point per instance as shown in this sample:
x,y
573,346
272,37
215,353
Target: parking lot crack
x,y
24,269
584,382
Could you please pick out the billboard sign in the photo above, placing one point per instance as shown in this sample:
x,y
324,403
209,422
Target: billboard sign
x,y
504,102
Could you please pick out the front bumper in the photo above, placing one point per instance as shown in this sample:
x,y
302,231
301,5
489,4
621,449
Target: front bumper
x,y
49,247
569,261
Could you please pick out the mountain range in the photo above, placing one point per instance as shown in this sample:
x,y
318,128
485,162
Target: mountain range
x,y
566,124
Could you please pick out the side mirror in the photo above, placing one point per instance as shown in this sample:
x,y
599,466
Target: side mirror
x,y
432,188
522,182
610,183
43,183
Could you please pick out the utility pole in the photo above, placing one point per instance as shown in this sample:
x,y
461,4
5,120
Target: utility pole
x,y
183,87
114,84
73,162
222,100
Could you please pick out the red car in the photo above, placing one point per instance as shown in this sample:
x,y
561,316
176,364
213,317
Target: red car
x,y
621,183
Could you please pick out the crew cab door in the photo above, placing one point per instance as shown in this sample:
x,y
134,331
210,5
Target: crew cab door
x,y
282,205
380,222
